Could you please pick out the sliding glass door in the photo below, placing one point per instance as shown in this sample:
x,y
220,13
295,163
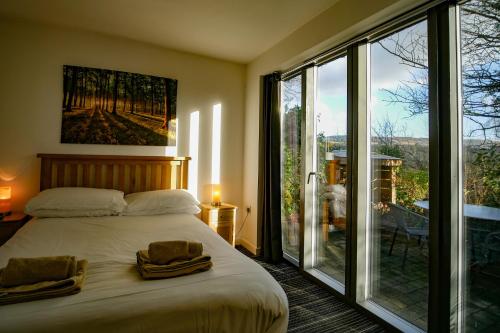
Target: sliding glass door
x,y
331,163
480,77
399,174
390,169
291,172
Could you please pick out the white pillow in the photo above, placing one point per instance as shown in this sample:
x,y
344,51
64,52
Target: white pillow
x,y
71,213
76,201
161,202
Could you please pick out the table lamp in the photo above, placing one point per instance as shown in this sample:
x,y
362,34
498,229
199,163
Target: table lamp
x,y
216,195
5,195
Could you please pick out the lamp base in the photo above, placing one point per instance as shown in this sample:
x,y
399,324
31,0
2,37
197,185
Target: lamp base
x,y
216,204
4,214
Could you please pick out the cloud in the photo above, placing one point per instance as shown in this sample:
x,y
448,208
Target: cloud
x,y
332,77
387,71
331,115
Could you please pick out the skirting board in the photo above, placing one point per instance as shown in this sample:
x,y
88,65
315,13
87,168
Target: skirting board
x,y
248,245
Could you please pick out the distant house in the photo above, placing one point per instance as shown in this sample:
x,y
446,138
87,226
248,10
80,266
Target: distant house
x,y
383,184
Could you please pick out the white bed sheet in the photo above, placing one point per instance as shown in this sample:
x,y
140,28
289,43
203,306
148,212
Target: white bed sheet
x,y
236,295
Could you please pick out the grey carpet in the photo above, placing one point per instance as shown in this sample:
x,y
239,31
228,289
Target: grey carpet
x,y
312,308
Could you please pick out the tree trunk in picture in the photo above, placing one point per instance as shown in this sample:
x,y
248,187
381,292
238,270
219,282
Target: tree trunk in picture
x,y
152,96
132,107
72,88
75,93
93,89
106,92
84,88
96,93
101,79
165,102
160,102
144,97
115,91
65,86
125,92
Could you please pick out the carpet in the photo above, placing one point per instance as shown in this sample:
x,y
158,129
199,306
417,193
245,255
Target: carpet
x,y
313,308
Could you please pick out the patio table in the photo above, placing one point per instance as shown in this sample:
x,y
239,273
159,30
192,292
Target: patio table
x,y
473,211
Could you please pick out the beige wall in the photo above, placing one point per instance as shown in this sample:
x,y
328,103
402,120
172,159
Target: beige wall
x,y
344,20
31,60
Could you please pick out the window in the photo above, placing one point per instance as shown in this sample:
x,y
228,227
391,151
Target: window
x,y
216,139
291,173
480,77
416,244
194,142
399,181
331,168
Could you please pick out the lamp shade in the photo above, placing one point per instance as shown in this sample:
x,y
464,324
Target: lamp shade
x,y
5,192
216,195
5,195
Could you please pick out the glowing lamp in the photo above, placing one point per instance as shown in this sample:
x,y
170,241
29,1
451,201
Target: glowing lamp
x,y
216,195
5,195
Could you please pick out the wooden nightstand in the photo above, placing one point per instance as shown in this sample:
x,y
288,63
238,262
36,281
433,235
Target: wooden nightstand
x,y
222,219
10,224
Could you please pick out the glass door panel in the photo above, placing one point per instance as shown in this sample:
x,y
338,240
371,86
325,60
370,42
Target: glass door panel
x,y
480,57
291,176
399,177
331,168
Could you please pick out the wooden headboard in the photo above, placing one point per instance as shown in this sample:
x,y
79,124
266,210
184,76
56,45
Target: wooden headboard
x,y
125,173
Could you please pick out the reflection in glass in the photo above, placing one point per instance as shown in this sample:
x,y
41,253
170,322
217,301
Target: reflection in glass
x,y
399,145
480,55
291,113
331,168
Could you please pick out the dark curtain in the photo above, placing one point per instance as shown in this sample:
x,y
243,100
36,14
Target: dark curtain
x,y
269,170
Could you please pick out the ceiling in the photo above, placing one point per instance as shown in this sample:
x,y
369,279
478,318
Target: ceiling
x,y
234,30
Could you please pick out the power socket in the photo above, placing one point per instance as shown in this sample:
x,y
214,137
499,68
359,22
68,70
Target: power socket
x,y
249,209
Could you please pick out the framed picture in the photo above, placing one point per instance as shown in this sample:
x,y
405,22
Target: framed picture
x,y
103,106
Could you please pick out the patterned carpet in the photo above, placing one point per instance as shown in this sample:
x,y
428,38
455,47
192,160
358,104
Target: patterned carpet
x,y
312,308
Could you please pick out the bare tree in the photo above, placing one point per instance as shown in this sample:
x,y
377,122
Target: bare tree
x,y
480,52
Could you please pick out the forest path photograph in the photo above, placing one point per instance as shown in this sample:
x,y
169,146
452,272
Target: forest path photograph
x,y
94,125
112,107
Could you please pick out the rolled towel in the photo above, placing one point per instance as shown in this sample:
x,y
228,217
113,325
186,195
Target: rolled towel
x,y
23,271
163,253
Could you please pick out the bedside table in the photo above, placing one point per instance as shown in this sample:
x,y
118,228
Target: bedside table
x,y
221,219
10,224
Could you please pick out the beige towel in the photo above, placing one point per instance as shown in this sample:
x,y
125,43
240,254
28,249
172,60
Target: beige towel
x,y
163,253
45,289
23,271
148,270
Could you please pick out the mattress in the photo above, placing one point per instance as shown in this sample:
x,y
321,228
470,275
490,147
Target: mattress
x,y
236,295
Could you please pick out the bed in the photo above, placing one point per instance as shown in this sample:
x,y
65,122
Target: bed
x,y
236,295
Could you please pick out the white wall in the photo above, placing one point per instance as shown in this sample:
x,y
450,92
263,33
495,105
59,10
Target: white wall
x,y
31,63
342,21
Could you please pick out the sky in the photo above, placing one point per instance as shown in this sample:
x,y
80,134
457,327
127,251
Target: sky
x,y
331,100
387,73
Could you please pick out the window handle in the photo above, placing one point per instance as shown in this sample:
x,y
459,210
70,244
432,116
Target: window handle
x,y
309,176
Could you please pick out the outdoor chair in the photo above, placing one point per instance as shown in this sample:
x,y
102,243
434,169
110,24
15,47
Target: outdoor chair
x,y
410,224
492,245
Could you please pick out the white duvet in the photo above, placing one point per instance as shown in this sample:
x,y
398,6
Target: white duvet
x,y
236,295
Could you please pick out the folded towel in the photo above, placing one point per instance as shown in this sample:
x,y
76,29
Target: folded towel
x,y
163,253
45,289
148,270
22,271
